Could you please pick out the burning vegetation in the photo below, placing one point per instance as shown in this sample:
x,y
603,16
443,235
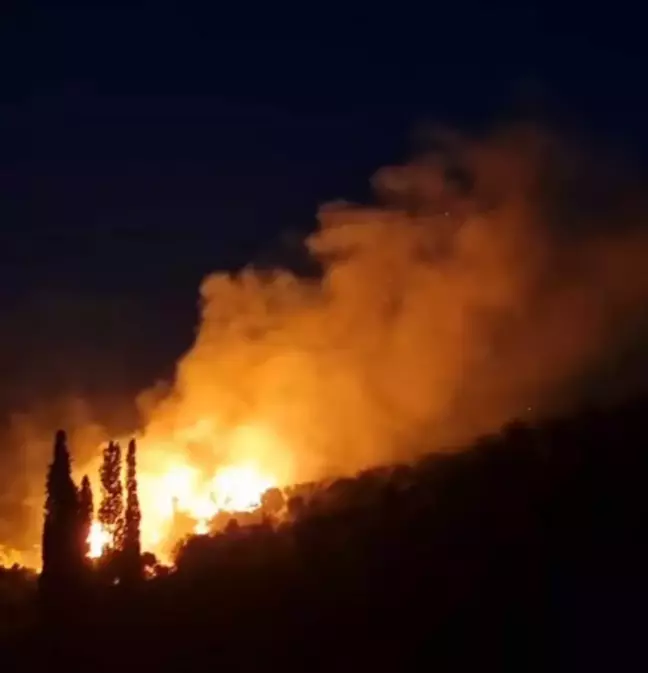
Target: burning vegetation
x,y
313,473
475,290
183,506
74,535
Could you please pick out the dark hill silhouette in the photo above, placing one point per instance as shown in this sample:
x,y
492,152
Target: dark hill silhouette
x,y
527,551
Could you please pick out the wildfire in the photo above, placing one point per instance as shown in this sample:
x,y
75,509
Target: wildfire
x,y
236,488
98,540
180,488
239,488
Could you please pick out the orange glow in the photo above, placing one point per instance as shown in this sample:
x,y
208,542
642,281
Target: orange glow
x,y
239,488
98,540
171,484
436,316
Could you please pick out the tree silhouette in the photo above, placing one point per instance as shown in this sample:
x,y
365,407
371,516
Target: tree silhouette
x,y
61,554
272,502
111,509
86,513
132,546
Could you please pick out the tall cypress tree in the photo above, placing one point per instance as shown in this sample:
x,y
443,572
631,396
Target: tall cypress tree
x,y
62,557
132,544
86,513
111,509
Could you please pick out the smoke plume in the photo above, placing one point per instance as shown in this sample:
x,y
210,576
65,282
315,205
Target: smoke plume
x,y
479,288
494,277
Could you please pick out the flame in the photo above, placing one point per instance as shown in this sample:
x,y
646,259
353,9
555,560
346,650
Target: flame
x,y
437,313
171,484
99,540
201,528
239,488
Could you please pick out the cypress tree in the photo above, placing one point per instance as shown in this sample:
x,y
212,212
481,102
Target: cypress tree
x,y
86,514
132,544
61,555
111,509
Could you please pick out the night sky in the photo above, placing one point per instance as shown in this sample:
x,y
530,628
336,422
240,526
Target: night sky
x,y
145,147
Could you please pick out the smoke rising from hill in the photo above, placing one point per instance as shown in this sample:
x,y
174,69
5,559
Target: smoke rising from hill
x,y
460,301
492,276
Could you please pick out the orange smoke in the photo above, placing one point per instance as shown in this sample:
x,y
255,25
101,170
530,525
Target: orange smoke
x,y
476,290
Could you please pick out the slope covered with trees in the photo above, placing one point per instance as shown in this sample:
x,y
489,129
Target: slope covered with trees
x,y
526,551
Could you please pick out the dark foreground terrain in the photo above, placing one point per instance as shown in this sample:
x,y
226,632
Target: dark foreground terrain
x,y
527,552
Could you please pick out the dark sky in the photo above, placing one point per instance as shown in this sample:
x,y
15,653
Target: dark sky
x,y
144,147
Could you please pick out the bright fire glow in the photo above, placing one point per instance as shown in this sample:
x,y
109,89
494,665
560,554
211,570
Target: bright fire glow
x,y
98,540
239,488
172,487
